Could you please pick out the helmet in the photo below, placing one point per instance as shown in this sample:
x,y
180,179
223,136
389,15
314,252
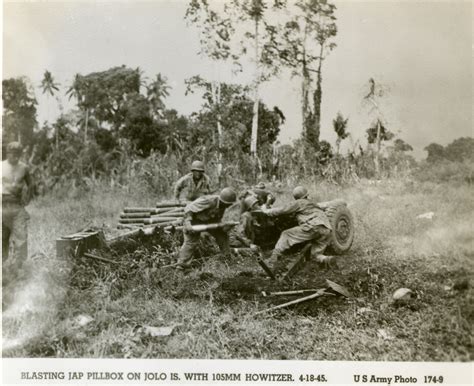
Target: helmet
x,y
227,196
260,185
249,202
197,166
14,147
299,192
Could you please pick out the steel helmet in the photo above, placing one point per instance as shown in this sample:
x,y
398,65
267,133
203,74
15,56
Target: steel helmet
x,y
227,196
249,202
300,192
14,147
197,166
260,185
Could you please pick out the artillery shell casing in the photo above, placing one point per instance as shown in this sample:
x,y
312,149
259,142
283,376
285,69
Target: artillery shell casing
x,y
167,224
135,215
170,204
135,210
132,220
127,226
146,210
178,210
161,215
156,220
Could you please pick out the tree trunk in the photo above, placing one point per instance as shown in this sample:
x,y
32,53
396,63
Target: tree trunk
x,y
317,99
253,142
305,110
86,125
377,152
217,101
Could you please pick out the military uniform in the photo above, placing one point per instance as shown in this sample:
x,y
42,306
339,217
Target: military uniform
x,y
193,189
244,233
204,210
313,226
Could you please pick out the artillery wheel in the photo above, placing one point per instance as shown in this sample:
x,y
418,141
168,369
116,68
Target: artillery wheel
x,y
342,223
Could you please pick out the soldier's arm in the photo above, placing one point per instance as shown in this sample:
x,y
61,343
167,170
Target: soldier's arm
x,y
207,187
179,187
284,210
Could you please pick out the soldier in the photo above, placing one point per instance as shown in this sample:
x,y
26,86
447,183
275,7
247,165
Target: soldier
x,y
15,176
205,210
195,184
245,232
313,226
263,196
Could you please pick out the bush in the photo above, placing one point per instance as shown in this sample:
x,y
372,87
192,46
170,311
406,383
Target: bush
x,y
446,171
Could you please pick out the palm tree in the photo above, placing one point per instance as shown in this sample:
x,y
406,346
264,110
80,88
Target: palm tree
x,y
49,86
255,11
340,124
157,91
74,91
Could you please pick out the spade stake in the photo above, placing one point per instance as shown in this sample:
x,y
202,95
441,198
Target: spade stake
x,y
319,293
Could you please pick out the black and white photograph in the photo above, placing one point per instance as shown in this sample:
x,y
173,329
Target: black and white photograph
x,y
258,180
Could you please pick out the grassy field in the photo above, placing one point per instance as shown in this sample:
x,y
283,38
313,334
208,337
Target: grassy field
x,y
90,309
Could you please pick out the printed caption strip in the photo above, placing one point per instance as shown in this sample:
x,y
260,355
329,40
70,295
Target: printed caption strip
x,y
230,372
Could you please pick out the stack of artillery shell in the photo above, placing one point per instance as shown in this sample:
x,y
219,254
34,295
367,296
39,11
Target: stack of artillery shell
x,y
165,214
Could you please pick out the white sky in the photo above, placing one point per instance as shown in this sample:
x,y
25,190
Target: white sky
x,y
421,50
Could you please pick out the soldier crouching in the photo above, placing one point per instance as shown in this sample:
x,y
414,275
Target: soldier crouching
x,y
313,226
205,210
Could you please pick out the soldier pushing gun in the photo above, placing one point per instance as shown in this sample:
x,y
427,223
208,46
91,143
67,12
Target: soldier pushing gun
x,y
313,227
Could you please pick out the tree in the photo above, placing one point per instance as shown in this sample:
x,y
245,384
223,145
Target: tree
x,y
253,9
104,94
157,91
19,110
234,111
220,42
435,152
49,86
75,91
313,22
377,133
140,127
401,146
460,149
340,124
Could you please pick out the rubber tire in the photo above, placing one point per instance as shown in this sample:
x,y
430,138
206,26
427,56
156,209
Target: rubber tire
x,y
342,223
